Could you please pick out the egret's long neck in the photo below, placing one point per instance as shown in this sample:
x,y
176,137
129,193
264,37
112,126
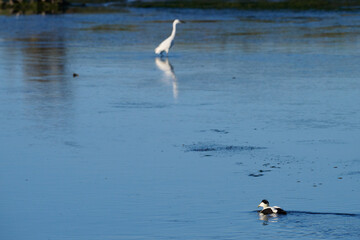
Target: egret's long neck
x,y
173,31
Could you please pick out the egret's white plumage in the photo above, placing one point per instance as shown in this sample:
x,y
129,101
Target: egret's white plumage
x,y
169,42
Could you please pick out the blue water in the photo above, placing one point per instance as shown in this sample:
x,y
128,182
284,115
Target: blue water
x,y
249,105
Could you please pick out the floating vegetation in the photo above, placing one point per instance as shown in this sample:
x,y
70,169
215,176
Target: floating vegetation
x,y
301,19
256,20
202,21
245,34
337,27
255,175
111,27
331,34
200,147
138,105
254,5
219,131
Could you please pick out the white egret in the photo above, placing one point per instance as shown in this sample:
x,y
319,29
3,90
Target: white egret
x,y
169,42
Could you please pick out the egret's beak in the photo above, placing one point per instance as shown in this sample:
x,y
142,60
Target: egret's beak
x,y
258,205
182,21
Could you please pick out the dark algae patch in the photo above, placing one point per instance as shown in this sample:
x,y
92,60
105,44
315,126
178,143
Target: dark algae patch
x,y
256,175
111,27
219,131
219,148
254,5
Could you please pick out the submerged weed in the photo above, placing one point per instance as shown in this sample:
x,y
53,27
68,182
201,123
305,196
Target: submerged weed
x,y
111,27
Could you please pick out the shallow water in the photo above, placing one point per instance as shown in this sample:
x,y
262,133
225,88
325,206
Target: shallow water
x,y
249,105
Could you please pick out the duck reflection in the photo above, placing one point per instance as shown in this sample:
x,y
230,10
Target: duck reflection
x,y
268,218
169,76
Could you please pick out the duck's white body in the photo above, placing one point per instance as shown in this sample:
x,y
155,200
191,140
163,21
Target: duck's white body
x,y
169,42
270,210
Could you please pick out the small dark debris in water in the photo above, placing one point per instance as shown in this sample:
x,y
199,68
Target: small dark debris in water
x,y
335,167
238,163
266,164
256,175
138,105
314,185
274,167
75,75
298,181
204,149
255,129
340,178
239,148
207,155
233,77
264,170
72,144
219,148
219,131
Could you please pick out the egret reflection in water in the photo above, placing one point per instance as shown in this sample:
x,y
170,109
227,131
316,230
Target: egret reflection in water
x,y
169,76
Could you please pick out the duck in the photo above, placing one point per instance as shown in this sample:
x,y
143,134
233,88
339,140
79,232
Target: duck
x,y
270,210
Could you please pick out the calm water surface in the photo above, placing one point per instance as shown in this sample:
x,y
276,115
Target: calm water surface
x,y
249,105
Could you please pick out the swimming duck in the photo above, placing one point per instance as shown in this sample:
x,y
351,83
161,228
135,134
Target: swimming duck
x,y
270,210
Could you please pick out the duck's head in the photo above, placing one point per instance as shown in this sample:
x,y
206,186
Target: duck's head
x,y
264,203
